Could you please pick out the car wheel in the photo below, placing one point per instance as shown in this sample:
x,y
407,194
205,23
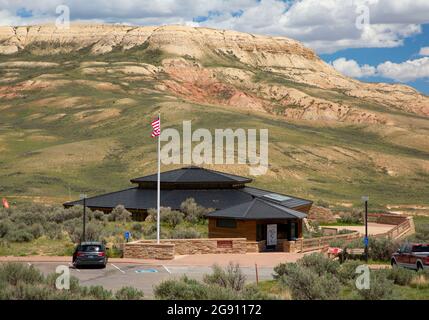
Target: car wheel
x,y
419,266
393,263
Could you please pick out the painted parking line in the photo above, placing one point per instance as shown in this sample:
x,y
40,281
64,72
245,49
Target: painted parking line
x,y
166,269
118,268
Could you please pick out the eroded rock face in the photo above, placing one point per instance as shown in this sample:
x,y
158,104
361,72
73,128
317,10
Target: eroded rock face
x,y
215,67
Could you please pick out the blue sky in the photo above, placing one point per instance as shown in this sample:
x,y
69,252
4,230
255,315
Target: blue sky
x,y
371,40
375,56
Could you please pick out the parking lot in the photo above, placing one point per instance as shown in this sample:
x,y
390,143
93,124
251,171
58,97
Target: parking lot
x,y
141,276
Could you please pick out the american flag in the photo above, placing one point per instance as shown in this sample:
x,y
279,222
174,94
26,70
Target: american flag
x,y
156,128
5,203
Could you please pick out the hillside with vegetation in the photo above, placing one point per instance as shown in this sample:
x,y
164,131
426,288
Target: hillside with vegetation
x,y
76,107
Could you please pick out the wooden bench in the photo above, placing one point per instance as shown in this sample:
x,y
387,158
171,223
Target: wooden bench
x,y
352,252
355,251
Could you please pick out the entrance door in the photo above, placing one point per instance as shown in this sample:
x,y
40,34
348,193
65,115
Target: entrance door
x,y
271,235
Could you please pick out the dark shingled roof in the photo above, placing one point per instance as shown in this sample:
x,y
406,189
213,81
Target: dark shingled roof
x,y
194,175
135,198
224,192
257,209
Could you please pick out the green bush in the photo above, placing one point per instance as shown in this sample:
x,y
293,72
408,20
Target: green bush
x,y
381,288
382,248
347,271
232,277
352,217
93,232
401,276
194,213
173,218
99,293
252,292
5,226
20,235
129,293
305,284
182,289
137,227
184,233
319,263
36,230
13,273
120,214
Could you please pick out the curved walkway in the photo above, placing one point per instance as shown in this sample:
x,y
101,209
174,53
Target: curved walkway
x,y
373,228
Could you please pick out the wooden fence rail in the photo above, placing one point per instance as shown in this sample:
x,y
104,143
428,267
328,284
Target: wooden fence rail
x,y
403,226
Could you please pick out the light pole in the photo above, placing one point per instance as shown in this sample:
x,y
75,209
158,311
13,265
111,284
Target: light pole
x,y
83,197
366,241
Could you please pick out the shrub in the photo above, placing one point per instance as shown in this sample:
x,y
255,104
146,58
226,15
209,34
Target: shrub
x,y
319,264
99,215
99,293
252,292
120,214
20,235
93,232
352,217
305,284
36,230
59,214
421,280
52,231
382,248
137,227
129,293
193,212
322,203
380,287
401,276
232,277
182,289
19,281
422,232
284,269
12,273
173,218
347,270
5,226
185,233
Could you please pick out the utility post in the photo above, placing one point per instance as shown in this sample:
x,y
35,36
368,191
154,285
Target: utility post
x,y
366,241
83,197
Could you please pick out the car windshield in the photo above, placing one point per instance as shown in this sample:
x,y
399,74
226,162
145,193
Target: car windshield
x,y
90,248
422,248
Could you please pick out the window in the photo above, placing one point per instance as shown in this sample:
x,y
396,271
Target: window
x,y
276,197
226,223
421,248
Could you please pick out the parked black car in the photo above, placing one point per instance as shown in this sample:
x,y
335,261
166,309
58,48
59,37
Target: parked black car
x,y
90,254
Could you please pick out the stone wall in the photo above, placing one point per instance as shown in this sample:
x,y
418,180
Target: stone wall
x,y
168,248
162,251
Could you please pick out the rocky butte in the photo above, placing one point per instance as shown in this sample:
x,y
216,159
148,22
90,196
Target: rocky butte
x,y
192,68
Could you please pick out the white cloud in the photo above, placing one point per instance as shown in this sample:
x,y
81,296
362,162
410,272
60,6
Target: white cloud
x,y
326,26
424,51
406,71
409,70
352,69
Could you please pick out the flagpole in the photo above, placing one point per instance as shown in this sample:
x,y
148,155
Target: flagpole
x,y
158,185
